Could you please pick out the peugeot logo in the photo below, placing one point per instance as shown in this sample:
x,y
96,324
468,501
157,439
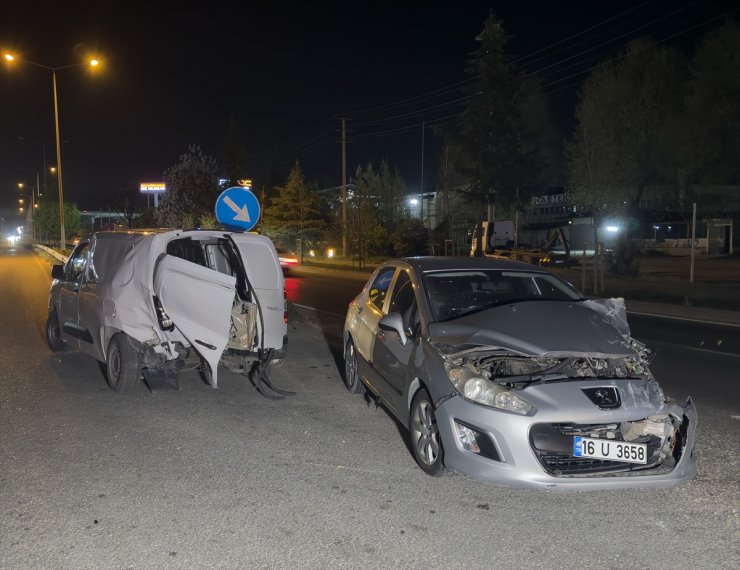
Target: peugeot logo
x,y
606,398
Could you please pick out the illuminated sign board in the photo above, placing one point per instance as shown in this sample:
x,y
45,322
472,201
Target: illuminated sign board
x,y
551,199
245,183
152,187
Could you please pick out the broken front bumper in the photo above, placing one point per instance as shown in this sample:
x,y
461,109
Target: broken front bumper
x,y
508,455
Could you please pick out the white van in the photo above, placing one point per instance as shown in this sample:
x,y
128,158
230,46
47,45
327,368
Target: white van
x,y
141,300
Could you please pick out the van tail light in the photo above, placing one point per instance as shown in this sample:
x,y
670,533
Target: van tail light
x,y
285,305
165,322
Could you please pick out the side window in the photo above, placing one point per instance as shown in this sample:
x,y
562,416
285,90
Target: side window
x,y
379,288
76,263
91,275
403,300
187,249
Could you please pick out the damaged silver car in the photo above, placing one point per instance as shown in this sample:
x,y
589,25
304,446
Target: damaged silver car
x,y
506,373
145,301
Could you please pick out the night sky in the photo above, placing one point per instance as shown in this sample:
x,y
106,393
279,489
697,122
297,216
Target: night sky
x,y
284,72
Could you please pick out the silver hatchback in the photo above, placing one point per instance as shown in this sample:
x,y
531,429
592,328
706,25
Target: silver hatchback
x,y
504,372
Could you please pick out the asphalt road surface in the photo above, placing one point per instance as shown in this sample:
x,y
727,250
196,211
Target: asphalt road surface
x,y
225,478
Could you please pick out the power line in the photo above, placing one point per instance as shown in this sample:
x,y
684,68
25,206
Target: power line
x,y
289,142
409,128
560,42
614,39
417,112
674,35
469,80
303,147
426,95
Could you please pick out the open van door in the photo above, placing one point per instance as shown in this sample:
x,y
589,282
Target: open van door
x,y
266,279
199,301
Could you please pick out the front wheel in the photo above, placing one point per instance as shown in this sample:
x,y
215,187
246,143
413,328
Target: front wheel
x,y
425,440
122,364
351,376
54,332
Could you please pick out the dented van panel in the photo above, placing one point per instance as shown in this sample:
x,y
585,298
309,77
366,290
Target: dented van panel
x,y
175,294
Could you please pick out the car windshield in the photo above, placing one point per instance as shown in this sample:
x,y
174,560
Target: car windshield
x,y
453,294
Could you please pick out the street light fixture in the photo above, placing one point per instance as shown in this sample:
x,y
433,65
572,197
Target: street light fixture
x,y
92,63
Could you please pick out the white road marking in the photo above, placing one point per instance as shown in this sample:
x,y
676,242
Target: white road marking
x,y
318,310
683,319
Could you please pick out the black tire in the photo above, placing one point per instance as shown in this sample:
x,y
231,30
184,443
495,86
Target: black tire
x,y
122,369
54,332
426,444
351,376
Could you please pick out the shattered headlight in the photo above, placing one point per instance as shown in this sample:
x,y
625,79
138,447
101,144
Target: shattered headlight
x,y
483,391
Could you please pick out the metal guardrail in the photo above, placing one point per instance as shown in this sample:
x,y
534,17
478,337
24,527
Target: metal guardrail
x,y
52,252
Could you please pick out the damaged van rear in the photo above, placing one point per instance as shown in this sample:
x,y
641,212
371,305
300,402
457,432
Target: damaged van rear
x,y
144,301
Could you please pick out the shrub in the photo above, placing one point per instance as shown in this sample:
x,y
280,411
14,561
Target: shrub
x,y
624,259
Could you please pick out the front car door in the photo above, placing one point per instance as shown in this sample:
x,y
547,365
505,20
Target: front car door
x,y
69,290
390,356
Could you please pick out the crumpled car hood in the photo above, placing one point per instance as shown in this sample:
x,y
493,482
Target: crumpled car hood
x,y
535,328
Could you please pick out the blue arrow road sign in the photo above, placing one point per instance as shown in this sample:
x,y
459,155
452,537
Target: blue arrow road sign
x,y
237,209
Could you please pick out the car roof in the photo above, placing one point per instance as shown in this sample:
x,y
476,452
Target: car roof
x,y
445,263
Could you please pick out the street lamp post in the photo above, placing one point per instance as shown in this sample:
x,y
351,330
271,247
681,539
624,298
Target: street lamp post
x,y
62,234
93,62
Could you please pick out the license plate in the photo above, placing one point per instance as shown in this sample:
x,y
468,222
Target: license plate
x,y
610,449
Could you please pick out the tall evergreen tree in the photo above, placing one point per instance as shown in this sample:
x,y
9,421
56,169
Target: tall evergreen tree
x,y
503,126
234,153
296,214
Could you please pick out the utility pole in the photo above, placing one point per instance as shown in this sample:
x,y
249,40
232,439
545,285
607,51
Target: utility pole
x,y
344,187
422,174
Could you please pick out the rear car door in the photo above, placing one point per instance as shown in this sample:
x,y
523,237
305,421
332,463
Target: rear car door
x,y
369,311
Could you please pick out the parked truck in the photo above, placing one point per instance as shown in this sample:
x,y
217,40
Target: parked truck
x,y
498,241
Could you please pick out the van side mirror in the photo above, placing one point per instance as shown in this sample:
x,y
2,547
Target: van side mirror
x,y
393,322
57,271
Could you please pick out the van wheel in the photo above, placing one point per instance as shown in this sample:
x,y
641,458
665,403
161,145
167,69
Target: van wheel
x,y
351,375
122,364
54,332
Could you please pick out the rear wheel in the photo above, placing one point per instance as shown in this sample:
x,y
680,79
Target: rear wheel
x,y
351,375
122,364
425,441
54,332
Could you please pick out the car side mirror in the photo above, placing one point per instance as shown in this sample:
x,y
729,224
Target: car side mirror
x,y
57,271
394,322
